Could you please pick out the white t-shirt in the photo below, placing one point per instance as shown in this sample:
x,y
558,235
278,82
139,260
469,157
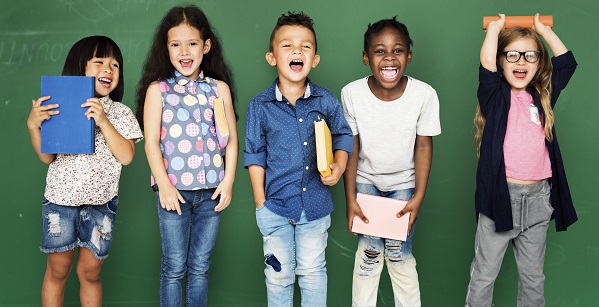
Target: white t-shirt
x,y
387,131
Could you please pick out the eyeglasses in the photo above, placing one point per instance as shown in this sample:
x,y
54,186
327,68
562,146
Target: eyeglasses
x,y
514,56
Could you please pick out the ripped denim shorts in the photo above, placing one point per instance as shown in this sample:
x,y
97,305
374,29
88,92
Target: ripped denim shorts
x,y
89,226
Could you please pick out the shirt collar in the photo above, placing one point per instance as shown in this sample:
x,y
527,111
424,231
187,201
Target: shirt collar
x,y
182,80
278,96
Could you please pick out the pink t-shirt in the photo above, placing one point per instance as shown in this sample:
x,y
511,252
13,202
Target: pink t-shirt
x,y
526,156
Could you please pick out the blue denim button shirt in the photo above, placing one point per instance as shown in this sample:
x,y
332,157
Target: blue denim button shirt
x,y
280,138
492,197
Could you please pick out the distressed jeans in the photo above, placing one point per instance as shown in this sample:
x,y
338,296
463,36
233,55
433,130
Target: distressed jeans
x,y
294,248
187,243
373,252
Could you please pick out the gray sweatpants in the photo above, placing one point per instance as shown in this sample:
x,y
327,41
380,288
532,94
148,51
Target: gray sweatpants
x,y
531,212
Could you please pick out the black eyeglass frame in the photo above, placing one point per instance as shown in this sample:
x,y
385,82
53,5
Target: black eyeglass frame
x,y
523,53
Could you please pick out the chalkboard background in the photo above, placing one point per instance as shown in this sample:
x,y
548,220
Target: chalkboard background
x,y
35,37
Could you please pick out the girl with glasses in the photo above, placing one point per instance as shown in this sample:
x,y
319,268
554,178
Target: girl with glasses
x,y
521,183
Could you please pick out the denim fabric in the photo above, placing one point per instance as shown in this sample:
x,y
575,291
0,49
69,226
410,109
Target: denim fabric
x,y
89,226
373,252
187,242
294,248
531,214
280,138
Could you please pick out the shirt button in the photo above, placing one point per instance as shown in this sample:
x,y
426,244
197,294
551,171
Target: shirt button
x,y
305,143
304,189
301,120
307,167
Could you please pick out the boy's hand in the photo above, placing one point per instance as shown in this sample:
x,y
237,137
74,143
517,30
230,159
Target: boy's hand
x,y
353,210
413,207
224,189
170,198
95,111
336,173
40,113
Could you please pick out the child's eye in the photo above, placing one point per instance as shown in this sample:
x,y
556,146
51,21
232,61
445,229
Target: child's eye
x,y
286,46
397,51
307,46
379,51
174,45
193,43
116,65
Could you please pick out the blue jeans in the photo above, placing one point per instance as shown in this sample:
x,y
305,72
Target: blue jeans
x,y
89,226
373,252
187,242
294,248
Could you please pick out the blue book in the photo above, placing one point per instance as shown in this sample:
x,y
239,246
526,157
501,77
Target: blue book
x,y
69,132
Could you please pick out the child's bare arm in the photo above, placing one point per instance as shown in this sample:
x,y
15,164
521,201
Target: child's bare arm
x,y
122,148
38,115
556,45
349,181
169,196
225,188
488,51
423,158
258,178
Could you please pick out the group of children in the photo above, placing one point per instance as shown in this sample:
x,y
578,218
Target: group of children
x,y
193,174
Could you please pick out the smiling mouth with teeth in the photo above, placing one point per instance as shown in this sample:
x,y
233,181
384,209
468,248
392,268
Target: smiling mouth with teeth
x,y
105,81
296,65
389,72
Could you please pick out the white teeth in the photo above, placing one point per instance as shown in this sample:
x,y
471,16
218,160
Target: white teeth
x,y
105,80
523,71
296,61
389,68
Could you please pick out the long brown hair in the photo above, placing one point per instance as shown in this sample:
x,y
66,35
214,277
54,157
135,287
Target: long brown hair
x,y
541,81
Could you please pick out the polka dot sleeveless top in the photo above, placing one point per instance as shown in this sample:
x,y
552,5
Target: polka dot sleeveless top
x,y
190,151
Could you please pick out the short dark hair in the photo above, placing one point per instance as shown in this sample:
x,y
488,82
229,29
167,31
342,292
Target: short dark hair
x,y
95,46
378,26
294,19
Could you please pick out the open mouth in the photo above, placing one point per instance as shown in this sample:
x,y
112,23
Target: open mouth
x,y
186,63
389,72
105,81
520,73
296,65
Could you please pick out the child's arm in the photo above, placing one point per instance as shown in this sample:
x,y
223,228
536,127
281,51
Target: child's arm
x,y
557,46
337,168
488,51
169,196
352,208
258,178
423,158
38,115
225,188
122,148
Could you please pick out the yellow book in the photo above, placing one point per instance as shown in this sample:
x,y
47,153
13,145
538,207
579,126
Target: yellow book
x,y
220,123
324,147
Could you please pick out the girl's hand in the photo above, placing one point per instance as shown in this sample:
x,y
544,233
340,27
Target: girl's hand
x,y
353,210
40,113
497,25
539,27
170,198
95,111
224,189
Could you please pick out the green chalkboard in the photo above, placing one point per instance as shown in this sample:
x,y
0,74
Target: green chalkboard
x,y
35,37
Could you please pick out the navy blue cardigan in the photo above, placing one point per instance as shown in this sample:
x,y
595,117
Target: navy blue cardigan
x,y
492,197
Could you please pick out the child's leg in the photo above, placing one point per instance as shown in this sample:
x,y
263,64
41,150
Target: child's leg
x,y
529,246
311,242
368,263
59,238
95,229
368,266
90,284
174,235
401,264
279,252
58,269
489,248
204,228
